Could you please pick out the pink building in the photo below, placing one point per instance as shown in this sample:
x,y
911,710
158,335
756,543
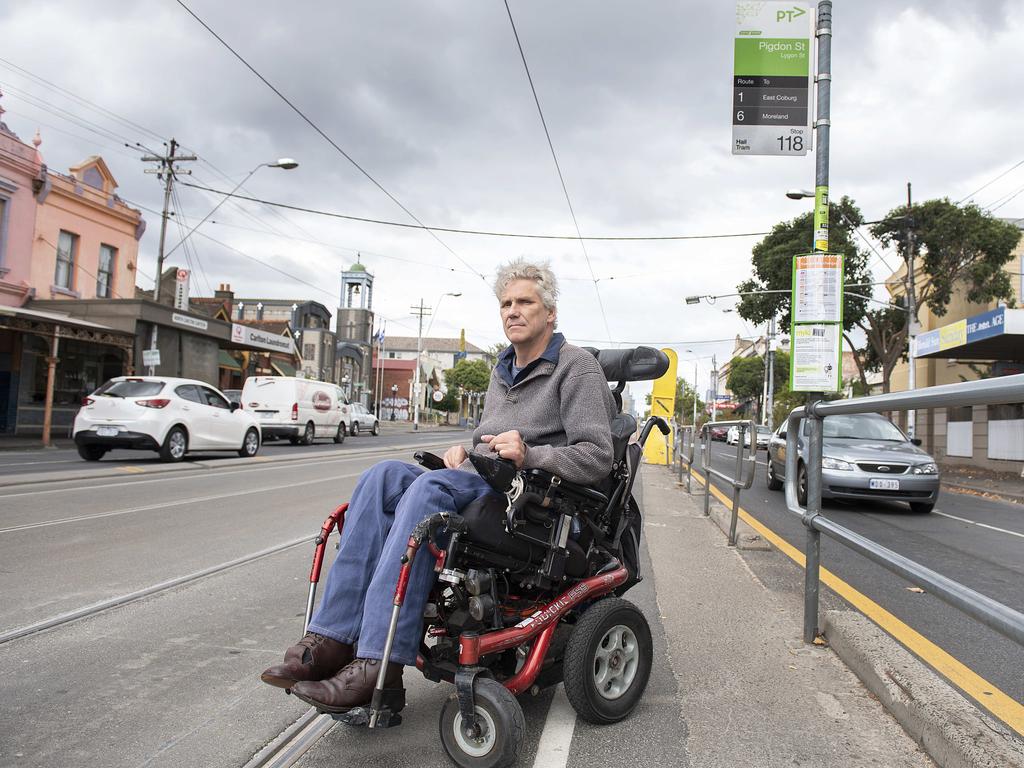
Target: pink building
x,y
61,237
86,241
22,175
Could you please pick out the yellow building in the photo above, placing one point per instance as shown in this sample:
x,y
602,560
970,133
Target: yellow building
x,y
970,341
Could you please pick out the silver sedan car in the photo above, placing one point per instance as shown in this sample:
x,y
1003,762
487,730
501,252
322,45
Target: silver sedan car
x,y
864,456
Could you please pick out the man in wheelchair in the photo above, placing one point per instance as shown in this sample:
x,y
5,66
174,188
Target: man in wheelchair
x,y
548,406
520,543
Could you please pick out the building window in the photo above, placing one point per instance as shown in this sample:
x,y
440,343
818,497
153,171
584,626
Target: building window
x,y
1006,431
960,431
105,272
3,227
67,250
309,351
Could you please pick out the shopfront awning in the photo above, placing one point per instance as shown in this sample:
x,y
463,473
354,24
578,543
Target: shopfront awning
x,y
994,335
283,369
225,360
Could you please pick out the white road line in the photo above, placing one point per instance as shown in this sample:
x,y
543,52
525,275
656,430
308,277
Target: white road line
x,y
178,503
32,463
180,477
980,525
553,749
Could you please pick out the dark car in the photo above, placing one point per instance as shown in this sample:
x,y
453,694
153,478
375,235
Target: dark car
x,y
718,433
864,456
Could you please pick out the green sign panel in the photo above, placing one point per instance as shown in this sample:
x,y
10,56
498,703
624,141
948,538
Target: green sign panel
x,y
771,109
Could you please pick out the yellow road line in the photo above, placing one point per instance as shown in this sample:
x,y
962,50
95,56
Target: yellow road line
x,y
963,677
132,470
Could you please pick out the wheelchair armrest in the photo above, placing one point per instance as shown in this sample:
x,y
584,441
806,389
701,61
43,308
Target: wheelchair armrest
x,y
541,477
429,460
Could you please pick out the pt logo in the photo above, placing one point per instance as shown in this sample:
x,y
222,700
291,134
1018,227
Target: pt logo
x,y
790,15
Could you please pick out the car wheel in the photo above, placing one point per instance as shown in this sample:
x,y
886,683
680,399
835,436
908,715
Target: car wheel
x,y
801,484
309,434
921,507
608,661
376,429
339,436
175,445
250,444
355,428
91,452
774,484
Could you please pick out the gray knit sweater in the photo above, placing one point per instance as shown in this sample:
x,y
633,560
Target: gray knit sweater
x,y
563,412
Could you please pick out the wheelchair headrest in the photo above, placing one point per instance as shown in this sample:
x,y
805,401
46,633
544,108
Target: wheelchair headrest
x,y
637,364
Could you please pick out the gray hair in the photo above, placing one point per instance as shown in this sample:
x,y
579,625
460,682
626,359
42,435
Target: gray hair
x,y
540,273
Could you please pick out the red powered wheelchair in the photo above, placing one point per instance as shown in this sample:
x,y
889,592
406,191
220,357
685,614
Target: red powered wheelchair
x,y
528,593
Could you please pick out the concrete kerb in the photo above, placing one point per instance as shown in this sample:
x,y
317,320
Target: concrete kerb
x,y
947,726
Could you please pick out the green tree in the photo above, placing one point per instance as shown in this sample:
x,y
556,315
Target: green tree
x,y
684,402
449,404
471,375
746,377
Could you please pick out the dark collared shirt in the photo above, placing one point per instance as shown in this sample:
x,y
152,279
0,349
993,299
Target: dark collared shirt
x,y
508,357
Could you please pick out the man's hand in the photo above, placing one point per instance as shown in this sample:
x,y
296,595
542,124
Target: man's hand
x,y
508,445
454,457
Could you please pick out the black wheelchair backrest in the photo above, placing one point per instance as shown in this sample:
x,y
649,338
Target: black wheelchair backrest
x,y
636,364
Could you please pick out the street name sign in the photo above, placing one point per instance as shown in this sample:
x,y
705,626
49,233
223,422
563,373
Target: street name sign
x,y
771,97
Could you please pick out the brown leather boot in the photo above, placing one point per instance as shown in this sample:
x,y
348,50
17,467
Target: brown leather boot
x,y
353,687
314,657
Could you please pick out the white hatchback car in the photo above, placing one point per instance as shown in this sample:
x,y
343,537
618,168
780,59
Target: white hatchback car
x,y
170,416
362,420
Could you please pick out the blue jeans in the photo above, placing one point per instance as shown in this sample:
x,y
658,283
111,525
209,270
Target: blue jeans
x,y
389,500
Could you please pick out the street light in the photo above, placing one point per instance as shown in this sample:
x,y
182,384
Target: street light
x,y
286,163
437,305
798,194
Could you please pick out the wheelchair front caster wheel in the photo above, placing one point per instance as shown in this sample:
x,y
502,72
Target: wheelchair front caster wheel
x,y
500,733
608,661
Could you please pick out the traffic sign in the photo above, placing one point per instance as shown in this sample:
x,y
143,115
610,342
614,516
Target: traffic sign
x,y
771,103
438,396
151,358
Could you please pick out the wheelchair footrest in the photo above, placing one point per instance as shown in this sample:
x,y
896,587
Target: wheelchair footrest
x,y
360,716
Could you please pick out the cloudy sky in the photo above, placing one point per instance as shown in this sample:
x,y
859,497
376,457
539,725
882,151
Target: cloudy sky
x,y
431,100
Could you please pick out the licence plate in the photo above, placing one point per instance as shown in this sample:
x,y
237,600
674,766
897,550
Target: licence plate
x,y
884,485
107,431
267,415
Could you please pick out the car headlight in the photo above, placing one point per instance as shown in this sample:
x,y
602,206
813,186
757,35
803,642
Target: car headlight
x,y
829,463
931,468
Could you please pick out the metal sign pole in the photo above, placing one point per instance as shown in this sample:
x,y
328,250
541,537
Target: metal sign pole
x,y
812,550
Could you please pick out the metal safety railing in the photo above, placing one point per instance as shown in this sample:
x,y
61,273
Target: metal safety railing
x,y
685,455
738,483
1008,389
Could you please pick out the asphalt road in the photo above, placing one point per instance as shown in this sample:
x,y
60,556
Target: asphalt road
x,y
65,458
950,540
172,679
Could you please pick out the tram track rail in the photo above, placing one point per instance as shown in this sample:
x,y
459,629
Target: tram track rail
x,y
293,742
155,589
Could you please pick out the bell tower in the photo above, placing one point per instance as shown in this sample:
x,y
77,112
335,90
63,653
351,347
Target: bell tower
x,y
355,327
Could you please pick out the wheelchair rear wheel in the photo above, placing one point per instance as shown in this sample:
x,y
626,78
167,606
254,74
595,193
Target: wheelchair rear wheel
x,y
502,727
608,661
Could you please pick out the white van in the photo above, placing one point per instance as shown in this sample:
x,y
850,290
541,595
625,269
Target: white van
x,y
299,409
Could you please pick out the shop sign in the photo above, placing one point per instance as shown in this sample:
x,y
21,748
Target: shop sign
x,y
254,337
189,321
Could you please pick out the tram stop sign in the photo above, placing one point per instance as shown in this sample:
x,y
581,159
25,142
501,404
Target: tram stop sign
x,y
771,95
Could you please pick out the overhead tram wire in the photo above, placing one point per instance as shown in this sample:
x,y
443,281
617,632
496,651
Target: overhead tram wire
x,y
561,178
71,95
188,245
482,232
329,140
990,182
289,275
